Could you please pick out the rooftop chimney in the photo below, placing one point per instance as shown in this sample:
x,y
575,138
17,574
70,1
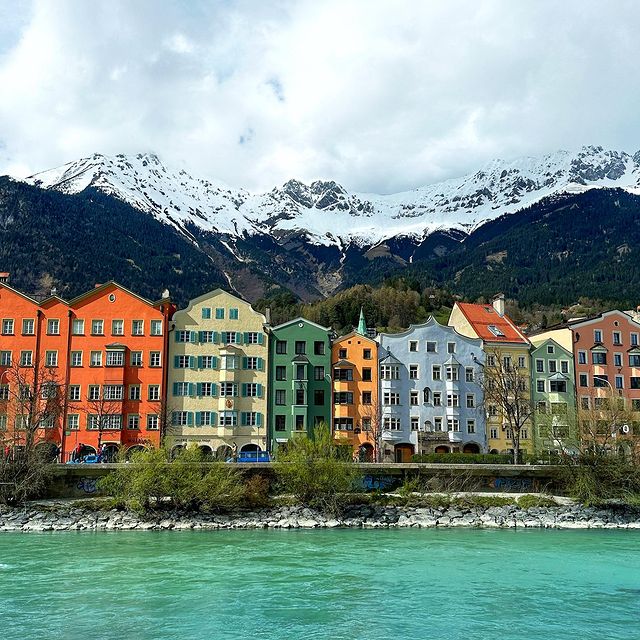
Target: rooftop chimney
x,y
498,303
54,291
165,294
267,314
4,277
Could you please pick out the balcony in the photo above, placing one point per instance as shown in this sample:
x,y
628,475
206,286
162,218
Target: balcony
x,y
455,436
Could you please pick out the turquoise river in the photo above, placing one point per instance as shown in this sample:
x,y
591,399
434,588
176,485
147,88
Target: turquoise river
x,y
373,584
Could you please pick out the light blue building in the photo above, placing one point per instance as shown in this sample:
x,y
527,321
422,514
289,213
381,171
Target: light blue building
x,y
430,397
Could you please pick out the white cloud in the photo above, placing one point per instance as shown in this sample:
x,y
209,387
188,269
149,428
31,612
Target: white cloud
x,y
378,95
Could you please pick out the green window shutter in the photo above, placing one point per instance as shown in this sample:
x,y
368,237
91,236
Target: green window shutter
x,y
245,363
238,338
214,389
259,390
223,337
199,362
216,337
235,389
258,419
245,337
199,388
214,362
244,389
190,418
175,362
243,419
200,336
198,419
192,362
194,336
214,421
175,335
260,364
192,389
175,388
174,417
260,338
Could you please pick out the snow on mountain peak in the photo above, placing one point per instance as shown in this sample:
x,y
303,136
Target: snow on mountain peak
x,y
326,212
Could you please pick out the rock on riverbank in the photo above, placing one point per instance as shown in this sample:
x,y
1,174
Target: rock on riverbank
x,y
73,518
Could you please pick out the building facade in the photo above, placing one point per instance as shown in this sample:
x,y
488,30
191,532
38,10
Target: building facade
x,y
218,367
554,397
356,411
299,379
505,347
431,400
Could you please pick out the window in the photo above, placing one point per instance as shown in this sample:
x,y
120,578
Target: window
x,y
432,347
564,366
414,398
601,381
77,327
299,423
342,397
437,424
366,397
342,353
635,405
280,423
156,330
115,359
207,336
471,401
414,422
390,423
253,363
366,354
451,372
76,358
281,372
135,358
7,327
53,327
73,422
453,424
492,411
558,386
506,363
540,386
453,400
253,337
154,359
94,392
28,327
343,424
300,347
541,407
468,374
539,365
97,327
524,434
496,331
597,335
219,313
598,357
228,419
584,380
553,366
154,392
133,421
281,397
117,327
389,372
205,418
451,347
366,424
437,399
619,382
134,392
345,375
550,349
300,397
634,339
206,313
413,371
493,433
436,372
95,359
413,345
207,389
113,392
180,418
318,347
301,372
366,374
74,392
634,382
634,360
390,398
250,419
228,389
251,389
582,357
584,402
281,347
4,391
234,313
471,426
153,422
617,338
5,358
491,361
182,362
51,358
318,373
183,336
137,327
26,358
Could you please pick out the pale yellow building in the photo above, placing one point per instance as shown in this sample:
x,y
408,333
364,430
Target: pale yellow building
x,y
217,381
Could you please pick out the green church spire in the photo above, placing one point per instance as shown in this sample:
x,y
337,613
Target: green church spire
x,y
362,325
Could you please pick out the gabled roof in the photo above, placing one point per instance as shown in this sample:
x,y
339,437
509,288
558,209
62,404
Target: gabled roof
x,y
490,325
19,293
543,345
354,334
580,322
389,359
429,322
452,361
103,287
300,358
343,363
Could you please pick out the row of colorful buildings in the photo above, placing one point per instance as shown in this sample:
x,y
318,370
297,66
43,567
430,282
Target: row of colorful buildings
x,y
129,372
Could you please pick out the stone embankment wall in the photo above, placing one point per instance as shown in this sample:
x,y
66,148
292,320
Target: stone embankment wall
x,y
73,518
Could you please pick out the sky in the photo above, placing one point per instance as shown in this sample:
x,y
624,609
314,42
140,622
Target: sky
x,y
381,96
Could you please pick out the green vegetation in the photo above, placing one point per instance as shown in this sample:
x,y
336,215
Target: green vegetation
x,y
463,458
315,473
529,501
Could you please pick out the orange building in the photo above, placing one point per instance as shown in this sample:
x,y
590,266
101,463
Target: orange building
x,y
356,418
105,350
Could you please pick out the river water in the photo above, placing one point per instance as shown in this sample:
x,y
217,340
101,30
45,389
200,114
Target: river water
x,y
371,584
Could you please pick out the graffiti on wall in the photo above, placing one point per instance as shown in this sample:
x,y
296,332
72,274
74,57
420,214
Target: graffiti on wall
x,y
88,485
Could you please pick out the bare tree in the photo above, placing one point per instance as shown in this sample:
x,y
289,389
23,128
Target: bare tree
x,y
506,386
31,410
371,425
104,408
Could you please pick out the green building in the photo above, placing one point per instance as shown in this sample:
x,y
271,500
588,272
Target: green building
x,y
553,392
299,390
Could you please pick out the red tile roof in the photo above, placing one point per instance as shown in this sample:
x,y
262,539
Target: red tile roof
x,y
490,326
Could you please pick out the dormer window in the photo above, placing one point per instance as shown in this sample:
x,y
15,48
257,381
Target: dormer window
x,y
496,332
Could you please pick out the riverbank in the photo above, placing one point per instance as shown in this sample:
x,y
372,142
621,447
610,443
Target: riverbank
x,y
72,516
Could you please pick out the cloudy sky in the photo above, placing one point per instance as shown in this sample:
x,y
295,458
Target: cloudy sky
x,y
379,95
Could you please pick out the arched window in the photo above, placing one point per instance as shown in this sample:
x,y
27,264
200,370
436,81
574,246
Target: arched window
x,y
426,394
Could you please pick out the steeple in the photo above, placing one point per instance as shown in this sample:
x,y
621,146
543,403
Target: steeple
x,y
362,325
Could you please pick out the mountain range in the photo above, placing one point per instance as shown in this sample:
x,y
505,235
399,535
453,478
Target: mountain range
x,y
310,239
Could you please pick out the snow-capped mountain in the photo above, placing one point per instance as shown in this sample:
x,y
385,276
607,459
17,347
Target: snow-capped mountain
x,y
325,213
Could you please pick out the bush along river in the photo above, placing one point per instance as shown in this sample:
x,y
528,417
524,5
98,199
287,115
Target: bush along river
x,y
329,583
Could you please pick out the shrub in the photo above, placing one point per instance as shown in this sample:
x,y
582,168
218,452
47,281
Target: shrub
x,y
256,491
312,470
529,501
463,458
